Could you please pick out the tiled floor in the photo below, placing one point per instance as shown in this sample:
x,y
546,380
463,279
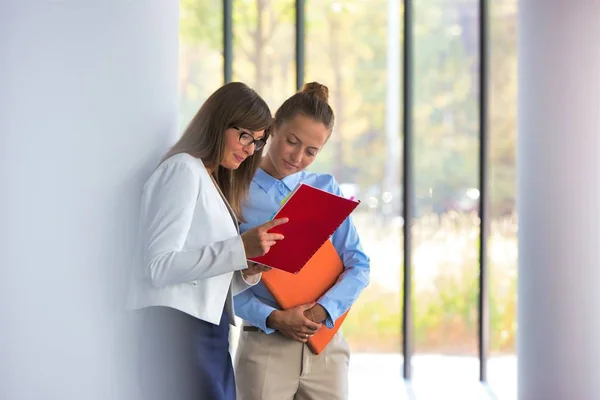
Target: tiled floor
x,y
378,376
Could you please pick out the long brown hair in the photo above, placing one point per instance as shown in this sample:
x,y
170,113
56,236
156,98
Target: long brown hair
x,y
312,102
233,104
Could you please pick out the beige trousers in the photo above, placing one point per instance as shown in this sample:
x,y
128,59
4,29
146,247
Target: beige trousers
x,y
273,367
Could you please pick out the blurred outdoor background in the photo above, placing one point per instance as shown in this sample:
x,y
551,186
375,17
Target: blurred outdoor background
x,y
355,48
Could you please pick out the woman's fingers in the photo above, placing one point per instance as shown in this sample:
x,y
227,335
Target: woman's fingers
x,y
303,336
259,268
272,224
274,236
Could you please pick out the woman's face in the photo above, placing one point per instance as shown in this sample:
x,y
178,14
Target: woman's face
x,y
295,145
236,148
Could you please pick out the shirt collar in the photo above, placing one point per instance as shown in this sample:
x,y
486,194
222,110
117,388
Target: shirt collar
x,y
266,181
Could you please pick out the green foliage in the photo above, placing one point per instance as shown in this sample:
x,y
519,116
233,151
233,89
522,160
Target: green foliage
x,y
347,48
445,317
201,22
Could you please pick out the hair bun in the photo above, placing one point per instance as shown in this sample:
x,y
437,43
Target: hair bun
x,y
317,90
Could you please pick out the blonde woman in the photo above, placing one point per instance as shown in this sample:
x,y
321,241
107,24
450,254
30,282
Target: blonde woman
x,y
273,361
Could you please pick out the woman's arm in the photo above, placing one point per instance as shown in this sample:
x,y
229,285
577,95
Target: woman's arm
x,y
249,308
353,280
168,206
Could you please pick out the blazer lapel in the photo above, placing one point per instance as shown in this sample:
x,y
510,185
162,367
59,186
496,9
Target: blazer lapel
x,y
231,213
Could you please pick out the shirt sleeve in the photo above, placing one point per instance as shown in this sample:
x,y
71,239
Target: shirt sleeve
x,y
251,309
169,203
355,278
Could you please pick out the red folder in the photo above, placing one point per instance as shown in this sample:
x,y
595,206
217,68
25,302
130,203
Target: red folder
x,y
312,282
314,215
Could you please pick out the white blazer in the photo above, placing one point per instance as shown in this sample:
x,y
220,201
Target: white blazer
x,y
190,252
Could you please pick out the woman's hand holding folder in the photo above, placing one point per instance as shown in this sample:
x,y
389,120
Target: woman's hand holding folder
x,y
316,313
254,269
258,240
293,324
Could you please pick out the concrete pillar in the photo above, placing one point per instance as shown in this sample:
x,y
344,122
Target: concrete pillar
x,y
88,101
559,200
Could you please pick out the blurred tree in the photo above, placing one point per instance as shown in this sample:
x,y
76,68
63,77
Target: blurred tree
x,y
201,21
346,47
264,47
346,50
503,106
200,54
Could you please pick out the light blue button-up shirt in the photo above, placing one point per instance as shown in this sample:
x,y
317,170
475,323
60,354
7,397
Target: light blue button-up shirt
x,y
266,194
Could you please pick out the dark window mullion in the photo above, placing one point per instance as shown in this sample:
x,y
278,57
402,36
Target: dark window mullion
x,y
300,42
483,304
408,186
228,40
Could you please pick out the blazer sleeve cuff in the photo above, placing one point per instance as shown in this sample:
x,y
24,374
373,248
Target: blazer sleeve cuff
x,y
251,280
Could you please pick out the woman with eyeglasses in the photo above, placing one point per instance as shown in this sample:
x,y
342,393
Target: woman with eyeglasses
x,y
192,258
273,361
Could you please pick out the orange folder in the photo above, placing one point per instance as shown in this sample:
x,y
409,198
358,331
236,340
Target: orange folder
x,y
319,274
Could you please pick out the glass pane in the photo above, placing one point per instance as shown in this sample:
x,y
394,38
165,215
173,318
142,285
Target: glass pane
x,y
264,59
200,54
502,256
264,48
446,231
354,48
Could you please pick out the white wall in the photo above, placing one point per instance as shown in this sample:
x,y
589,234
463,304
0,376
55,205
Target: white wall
x,y
559,200
88,101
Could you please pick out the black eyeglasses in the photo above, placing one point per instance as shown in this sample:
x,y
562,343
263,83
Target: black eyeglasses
x,y
247,139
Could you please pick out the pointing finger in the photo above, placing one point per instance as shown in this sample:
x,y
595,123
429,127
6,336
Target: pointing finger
x,y
275,222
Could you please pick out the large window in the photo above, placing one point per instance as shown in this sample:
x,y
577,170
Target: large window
x,y
446,233
355,47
